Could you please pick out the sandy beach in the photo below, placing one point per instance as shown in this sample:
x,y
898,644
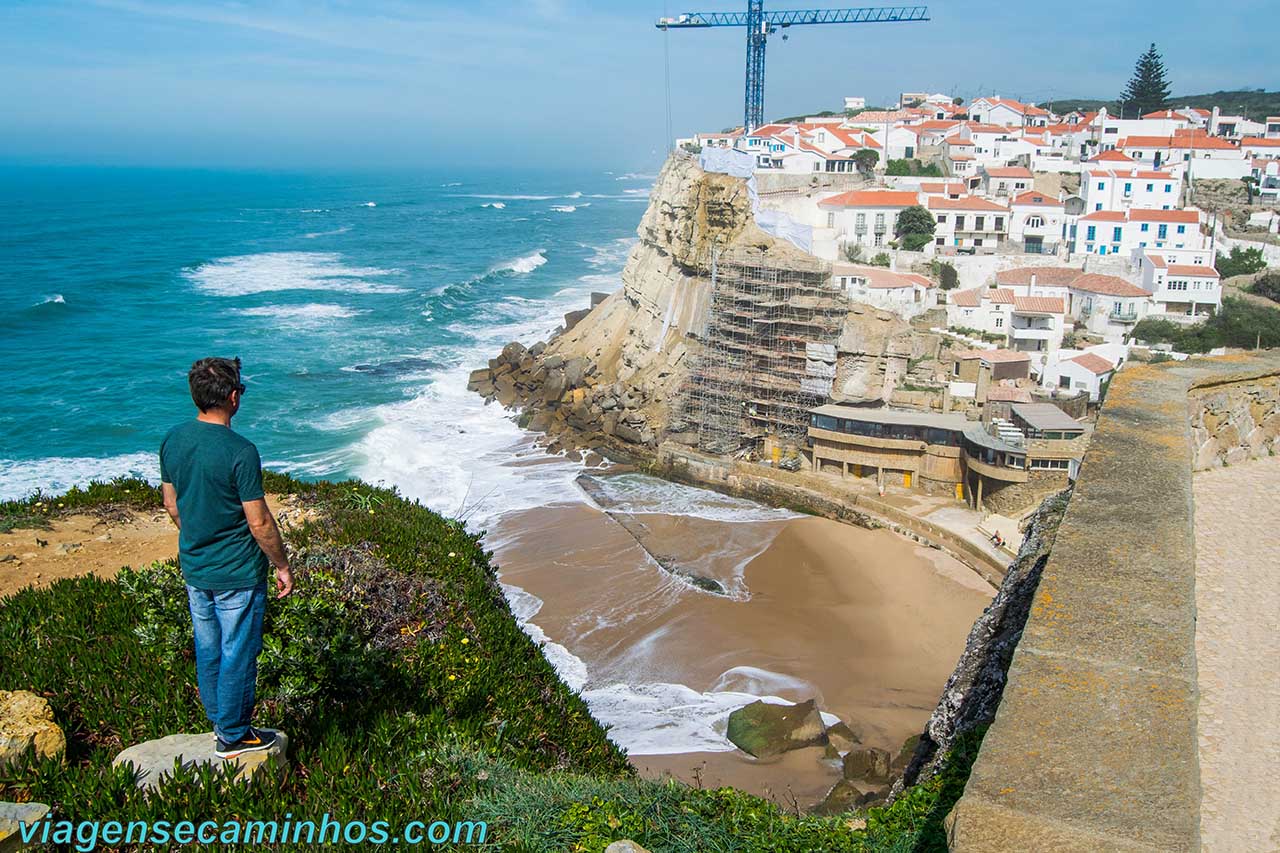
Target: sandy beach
x,y
866,622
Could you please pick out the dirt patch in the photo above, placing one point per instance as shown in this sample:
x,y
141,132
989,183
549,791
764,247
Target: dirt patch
x,y
101,543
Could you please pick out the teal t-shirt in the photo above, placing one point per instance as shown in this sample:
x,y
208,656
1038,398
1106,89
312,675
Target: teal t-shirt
x,y
214,470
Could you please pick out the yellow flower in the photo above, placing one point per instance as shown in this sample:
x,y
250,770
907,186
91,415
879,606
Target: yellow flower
x,y
465,641
453,678
370,512
452,554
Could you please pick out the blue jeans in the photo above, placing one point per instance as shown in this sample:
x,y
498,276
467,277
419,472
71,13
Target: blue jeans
x,y
228,629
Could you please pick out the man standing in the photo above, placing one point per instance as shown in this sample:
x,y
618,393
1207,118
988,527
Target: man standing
x,y
212,483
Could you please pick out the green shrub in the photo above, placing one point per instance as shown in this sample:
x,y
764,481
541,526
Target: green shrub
x,y
1240,261
1267,286
880,259
1238,323
104,498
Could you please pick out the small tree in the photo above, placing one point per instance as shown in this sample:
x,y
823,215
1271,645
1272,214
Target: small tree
x,y
1148,89
865,159
1240,261
915,227
853,252
881,260
948,278
1268,285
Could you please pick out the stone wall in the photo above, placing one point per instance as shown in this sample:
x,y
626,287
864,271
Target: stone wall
x,y
1013,499
1233,422
1094,745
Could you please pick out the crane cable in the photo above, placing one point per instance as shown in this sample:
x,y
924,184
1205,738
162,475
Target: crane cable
x,y
666,59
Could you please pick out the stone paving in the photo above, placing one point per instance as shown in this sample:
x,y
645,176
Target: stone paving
x,y
1237,524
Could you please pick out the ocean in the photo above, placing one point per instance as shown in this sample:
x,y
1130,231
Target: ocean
x,y
358,304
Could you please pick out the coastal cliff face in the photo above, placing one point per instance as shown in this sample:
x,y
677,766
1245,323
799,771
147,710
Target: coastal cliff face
x,y
612,376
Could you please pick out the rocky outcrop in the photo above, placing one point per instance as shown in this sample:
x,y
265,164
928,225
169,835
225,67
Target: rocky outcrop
x,y
27,726
155,759
972,693
13,817
764,730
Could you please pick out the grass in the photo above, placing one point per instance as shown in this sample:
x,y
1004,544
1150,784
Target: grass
x,y
468,720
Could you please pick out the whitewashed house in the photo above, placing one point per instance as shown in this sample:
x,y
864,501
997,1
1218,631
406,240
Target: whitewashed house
x,y
984,309
1261,146
1078,371
969,222
1005,181
1121,189
905,294
1007,112
1113,232
1106,305
1181,282
1037,222
865,218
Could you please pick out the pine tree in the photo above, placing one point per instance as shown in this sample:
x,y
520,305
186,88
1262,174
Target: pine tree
x,y
1148,89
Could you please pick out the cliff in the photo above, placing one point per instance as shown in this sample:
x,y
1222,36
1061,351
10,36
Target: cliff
x,y
612,376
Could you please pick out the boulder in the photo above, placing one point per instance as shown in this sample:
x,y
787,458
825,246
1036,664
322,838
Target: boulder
x,y
625,846
904,756
154,759
26,725
575,369
843,797
553,362
867,763
765,730
843,737
573,318
11,816
477,378
626,432
513,352
554,386
537,349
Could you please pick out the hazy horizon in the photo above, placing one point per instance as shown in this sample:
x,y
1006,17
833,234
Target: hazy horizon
x,y
551,83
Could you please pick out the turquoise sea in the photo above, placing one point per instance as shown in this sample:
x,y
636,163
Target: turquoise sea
x,y
358,303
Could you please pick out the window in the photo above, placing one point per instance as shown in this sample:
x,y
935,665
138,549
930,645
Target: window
x,y
999,223
1162,232
1091,233
1146,226
860,221
1034,222
1182,229
1168,188
959,222
1150,187
880,222
831,219
942,218
1116,233
1098,206
1064,381
1128,189
999,322
1101,185
979,223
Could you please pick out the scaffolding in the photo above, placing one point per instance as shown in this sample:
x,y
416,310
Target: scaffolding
x,y
769,351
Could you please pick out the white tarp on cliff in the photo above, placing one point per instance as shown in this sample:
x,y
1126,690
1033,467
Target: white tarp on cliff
x,y
740,164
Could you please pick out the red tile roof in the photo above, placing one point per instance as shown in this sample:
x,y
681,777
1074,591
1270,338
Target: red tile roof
x,y
1195,270
999,295
1112,156
1095,364
1104,216
1157,260
966,298
1107,285
1036,198
1050,276
1038,304
872,198
1145,215
1259,142
955,141
970,202
941,187
1010,172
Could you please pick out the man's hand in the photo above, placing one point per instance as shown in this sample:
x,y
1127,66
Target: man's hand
x,y
284,581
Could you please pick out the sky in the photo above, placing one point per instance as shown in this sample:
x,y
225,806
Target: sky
x,y
539,83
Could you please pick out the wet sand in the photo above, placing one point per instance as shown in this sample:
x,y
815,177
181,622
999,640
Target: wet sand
x,y
866,622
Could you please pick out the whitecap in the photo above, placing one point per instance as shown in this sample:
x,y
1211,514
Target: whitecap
x,y
240,275
507,196
523,264
314,234
53,299
301,315
640,493
370,204
496,205
56,474
564,208
575,194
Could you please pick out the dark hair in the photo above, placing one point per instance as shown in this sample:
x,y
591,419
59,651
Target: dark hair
x,y
212,380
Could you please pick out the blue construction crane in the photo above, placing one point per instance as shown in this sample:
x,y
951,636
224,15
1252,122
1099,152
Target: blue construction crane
x,y
760,25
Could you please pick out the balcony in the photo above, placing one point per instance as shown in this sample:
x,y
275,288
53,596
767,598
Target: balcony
x,y
1032,334
1122,317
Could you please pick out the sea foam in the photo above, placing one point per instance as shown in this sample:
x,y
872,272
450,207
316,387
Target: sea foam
x,y
241,275
56,474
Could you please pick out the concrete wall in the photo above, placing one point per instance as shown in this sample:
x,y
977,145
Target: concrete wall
x,y
1094,747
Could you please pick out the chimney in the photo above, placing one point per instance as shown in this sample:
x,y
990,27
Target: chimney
x,y
893,262
1033,284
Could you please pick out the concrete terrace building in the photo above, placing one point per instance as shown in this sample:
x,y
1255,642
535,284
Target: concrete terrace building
x,y
1006,465
1123,189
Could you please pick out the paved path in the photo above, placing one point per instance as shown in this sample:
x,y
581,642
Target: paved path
x,y
1238,655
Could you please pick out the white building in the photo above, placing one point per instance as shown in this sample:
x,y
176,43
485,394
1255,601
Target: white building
x,y
1005,181
985,309
1037,221
1181,282
969,222
905,294
855,103
865,218
1106,305
1121,189
1078,371
1007,112
1112,232
1262,146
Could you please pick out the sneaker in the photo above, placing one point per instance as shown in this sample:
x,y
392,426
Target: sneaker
x,y
254,740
